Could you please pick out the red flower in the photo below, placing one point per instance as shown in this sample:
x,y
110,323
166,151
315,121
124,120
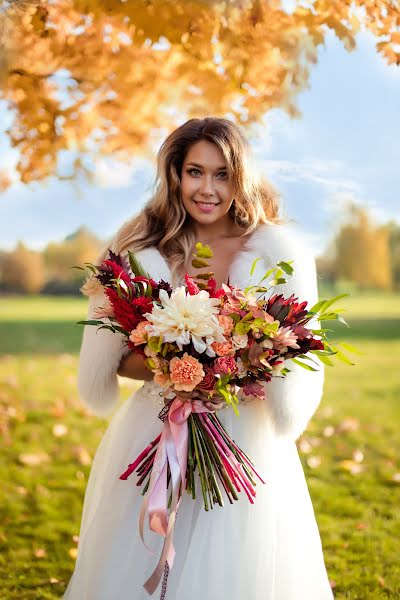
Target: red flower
x,y
225,365
192,287
208,382
124,311
143,304
117,271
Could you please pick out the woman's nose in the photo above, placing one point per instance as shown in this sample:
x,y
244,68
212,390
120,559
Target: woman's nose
x,y
206,186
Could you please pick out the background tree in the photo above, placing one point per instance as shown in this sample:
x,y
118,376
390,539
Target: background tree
x,y
23,270
363,252
59,258
394,245
103,76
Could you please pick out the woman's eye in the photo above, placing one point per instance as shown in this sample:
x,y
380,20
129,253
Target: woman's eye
x,y
193,171
224,174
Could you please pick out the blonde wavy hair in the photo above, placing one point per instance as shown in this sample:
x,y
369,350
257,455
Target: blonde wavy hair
x,y
164,223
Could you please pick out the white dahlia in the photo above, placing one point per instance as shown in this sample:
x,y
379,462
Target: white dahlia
x,y
183,318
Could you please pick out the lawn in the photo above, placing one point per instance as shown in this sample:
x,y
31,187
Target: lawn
x,y
350,450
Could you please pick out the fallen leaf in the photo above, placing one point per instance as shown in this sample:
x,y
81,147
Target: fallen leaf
x,y
59,429
328,431
73,552
54,580
33,459
83,455
362,526
314,462
358,456
80,475
75,538
351,466
40,553
305,446
349,424
396,477
381,581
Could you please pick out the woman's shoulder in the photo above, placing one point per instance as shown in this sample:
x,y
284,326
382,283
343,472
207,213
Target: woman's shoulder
x,y
153,262
280,241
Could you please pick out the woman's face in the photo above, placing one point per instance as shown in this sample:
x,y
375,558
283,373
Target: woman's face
x,y
207,191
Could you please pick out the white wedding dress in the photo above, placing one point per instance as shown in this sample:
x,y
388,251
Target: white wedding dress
x,y
270,550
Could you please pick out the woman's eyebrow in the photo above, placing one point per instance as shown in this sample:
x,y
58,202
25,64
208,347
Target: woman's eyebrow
x,y
201,166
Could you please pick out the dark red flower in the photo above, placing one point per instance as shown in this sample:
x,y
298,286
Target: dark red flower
x,y
208,382
117,271
143,304
125,312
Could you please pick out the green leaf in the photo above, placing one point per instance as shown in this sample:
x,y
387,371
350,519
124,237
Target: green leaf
x,y
328,303
89,322
199,263
136,266
316,308
278,281
80,268
286,267
254,264
323,358
341,356
205,275
203,251
155,343
121,330
303,365
351,348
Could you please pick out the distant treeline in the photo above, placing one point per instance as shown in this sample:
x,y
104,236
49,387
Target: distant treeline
x,y
362,254
50,271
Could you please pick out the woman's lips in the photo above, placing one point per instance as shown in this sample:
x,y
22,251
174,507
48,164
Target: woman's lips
x,y
206,207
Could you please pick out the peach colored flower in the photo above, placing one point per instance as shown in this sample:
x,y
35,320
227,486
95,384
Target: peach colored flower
x,y
223,348
162,379
240,340
138,335
185,372
226,323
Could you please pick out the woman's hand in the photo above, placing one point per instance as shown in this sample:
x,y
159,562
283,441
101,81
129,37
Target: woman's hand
x,y
215,402
133,366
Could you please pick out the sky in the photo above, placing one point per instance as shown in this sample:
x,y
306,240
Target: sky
x,y
345,147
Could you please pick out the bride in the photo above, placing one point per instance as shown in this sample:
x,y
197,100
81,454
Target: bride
x,y
207,190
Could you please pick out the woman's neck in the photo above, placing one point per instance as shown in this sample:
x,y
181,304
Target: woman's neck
x,y
215,231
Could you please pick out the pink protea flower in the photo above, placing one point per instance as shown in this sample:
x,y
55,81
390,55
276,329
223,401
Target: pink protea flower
x,y
185,372
106,310
226,323
138,335
225,365
284,339
223,348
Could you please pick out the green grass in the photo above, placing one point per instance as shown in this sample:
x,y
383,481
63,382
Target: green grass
x,y
350,451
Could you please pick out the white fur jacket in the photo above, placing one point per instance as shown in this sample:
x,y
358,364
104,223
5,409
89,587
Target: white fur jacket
x,y
291,400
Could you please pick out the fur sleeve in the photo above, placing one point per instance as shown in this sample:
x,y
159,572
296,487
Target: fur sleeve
x,y
293,400
102,350
100,355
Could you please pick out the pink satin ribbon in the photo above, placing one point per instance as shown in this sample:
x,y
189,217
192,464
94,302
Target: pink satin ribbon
x,y
173,450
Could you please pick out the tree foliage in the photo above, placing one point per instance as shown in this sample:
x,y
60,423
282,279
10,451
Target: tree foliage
x,y
362,252
22,270
104,76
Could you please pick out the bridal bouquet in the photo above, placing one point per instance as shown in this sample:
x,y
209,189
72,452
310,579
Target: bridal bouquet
x,y
221,344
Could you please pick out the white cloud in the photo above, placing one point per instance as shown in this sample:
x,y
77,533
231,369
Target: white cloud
x,y
110,173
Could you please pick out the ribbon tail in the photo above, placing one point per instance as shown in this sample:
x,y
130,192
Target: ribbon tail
x,y
167,554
